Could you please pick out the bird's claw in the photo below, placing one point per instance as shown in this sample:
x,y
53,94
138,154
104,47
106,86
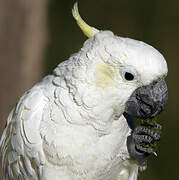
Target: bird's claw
x,y
142,141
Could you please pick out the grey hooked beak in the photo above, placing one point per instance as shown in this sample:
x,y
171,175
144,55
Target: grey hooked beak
x,y
147,101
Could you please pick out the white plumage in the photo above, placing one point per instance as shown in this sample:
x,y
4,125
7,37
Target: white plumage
x,y
70,126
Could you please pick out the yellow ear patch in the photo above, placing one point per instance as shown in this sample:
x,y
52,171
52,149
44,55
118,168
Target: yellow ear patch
x,y
105,75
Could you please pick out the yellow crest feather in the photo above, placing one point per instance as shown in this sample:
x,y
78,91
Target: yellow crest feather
x,y
87,30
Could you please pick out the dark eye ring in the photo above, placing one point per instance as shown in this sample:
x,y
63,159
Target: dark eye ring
x,y
128,76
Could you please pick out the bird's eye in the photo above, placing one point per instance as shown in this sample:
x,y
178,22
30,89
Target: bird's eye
x,y
128,73
128,76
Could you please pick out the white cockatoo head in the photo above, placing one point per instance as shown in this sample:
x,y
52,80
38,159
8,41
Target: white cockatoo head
x,y
117,75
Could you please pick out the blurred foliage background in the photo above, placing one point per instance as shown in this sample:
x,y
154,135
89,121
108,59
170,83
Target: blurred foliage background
x,y
36,36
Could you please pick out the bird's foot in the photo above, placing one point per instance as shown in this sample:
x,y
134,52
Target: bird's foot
x,y
143,141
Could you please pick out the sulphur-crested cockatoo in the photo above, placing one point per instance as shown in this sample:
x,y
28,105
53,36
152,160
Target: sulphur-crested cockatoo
x,y
77,123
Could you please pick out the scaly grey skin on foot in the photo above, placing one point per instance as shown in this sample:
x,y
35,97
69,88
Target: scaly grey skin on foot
x,y
140,142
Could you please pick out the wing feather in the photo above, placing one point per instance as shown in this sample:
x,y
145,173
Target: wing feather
x,y
21,143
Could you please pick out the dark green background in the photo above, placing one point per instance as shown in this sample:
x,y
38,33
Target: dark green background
x,y
152,21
